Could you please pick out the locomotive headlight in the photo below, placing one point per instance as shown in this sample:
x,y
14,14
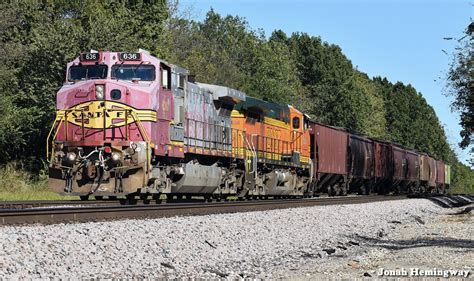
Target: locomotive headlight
x,y
99,92
71,156
115,157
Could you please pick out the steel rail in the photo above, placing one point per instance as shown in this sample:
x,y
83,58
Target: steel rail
x,y
23,204
120,201
98,213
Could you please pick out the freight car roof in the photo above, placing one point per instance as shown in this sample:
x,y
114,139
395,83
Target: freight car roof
x,y
329,126
268,109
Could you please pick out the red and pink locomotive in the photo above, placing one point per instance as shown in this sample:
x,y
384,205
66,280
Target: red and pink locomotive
x,y
130,124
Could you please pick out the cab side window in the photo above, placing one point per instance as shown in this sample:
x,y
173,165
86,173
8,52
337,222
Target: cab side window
x,y
296,122
165,76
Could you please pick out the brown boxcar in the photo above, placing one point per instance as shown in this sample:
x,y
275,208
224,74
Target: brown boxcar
x,y
361,163
399,164
432,164
424,169
439,172
329,154
412,166
361,157
331,149
427,172
383,167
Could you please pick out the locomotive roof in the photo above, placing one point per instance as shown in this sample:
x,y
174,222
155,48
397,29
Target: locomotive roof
x,y
268,109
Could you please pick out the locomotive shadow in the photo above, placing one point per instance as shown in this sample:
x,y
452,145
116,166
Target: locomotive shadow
x,y
446,201
451,201
416,243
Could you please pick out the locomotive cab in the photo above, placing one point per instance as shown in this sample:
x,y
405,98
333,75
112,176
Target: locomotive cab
x,y
105,127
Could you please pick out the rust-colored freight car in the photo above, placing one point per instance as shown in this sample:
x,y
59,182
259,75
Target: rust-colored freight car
x,y
440,175
432,180
412,169
427,173
424,170
399,165
361,163
329,155
383,166
405,168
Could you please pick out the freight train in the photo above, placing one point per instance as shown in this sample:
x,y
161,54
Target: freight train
x,y
130,124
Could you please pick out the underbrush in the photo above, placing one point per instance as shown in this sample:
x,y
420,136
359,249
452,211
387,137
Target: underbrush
x,y
17,184
462,189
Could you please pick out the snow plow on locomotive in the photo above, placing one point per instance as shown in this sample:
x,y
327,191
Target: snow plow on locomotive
x,y
130,124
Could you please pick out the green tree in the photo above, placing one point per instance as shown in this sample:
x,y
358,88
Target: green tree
x,y
460,82
38,38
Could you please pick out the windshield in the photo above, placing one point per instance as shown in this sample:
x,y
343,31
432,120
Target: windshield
x,y
85,72
133,72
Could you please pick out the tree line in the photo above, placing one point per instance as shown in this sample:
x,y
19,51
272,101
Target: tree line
x,y
38,38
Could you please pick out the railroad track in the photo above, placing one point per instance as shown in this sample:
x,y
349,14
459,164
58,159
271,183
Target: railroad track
x,y
107,212
70,203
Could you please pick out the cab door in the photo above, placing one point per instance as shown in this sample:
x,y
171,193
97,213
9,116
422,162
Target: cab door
x,y
299,126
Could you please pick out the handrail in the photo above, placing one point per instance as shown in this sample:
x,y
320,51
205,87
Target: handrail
x,y
142,130
251,148
54,137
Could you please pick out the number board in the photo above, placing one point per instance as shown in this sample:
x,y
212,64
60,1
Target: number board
x,y
89,57
130,56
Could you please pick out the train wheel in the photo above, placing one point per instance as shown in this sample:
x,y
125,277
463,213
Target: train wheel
x,y
99,198
131,200
424,189
441,190
156,198
365,190
84,197
382,190
343,190
145,198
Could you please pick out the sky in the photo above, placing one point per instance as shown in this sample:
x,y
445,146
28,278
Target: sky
x,y
398,39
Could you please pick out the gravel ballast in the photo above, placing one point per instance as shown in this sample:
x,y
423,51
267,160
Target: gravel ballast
x,y
343,240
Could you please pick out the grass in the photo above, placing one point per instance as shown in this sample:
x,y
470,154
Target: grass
x,y
33,195
16,184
